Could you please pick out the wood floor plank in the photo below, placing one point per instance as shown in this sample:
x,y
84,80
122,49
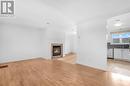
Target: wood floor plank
x,y
40,72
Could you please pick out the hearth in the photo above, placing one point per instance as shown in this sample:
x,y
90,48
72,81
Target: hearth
x,y
57,50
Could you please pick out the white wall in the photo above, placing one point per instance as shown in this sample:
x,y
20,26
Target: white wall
x,y
20,42
109,37
52,35
27,34
71,42
68,43
92,49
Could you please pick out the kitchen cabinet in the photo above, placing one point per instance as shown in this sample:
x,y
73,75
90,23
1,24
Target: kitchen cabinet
x,y
110,53
126,54
123,54
117,53
121,51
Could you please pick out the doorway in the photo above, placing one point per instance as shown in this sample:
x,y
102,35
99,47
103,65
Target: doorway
x,y
118,44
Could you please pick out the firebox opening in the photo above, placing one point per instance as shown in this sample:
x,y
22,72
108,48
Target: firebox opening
x,y
57,50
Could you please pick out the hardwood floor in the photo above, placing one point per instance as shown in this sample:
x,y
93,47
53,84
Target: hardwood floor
x,y
39,72
70,58
121,67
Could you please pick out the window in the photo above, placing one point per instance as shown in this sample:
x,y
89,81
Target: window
x,y
116,40
121,37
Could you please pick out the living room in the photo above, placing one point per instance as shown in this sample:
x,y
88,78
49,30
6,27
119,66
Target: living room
x,y
37,34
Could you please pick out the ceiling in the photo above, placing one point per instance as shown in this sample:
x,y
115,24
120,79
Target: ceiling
x,y
124,19
82,10
64,13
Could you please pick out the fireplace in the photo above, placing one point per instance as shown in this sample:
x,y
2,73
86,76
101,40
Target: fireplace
x,y
57,50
